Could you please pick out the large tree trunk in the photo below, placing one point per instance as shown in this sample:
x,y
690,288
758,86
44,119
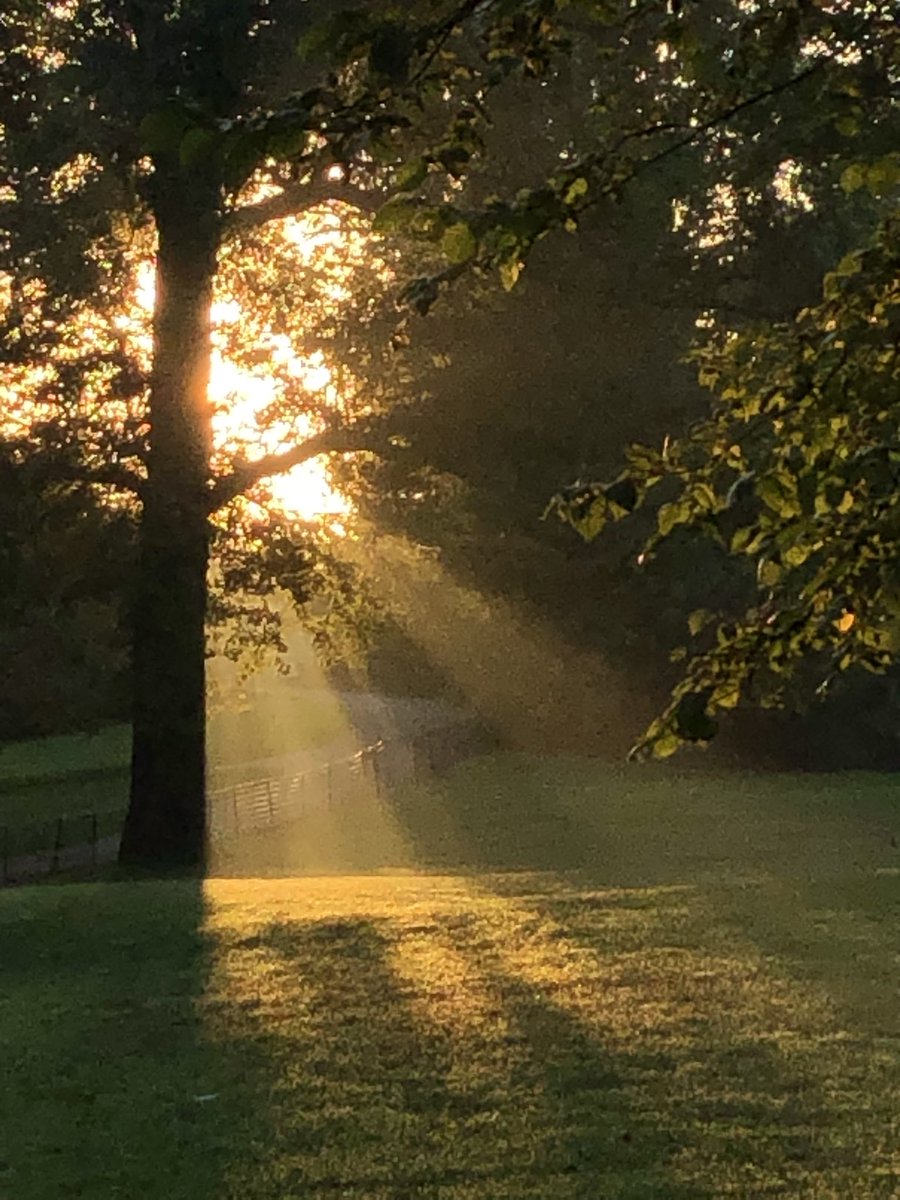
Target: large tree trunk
x,y
166,822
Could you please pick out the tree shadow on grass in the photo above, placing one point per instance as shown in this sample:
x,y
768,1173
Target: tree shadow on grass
x,y
762,1072
496,1039
107,1074
838,933
395,1074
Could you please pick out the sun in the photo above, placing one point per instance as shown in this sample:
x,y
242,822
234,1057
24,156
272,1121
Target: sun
x,y
242,400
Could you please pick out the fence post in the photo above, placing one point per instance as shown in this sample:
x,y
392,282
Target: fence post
x,y
4,850
93,841
376,771
57,845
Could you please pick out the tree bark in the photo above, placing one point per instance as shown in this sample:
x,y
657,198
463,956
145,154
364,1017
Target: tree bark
x,y
166,822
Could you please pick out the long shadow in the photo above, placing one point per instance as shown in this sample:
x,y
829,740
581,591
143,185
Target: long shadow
x,y
106,1071
597,1097
358,1096
748,1068
156,1046
777,897
389,1086
838,933
535,1042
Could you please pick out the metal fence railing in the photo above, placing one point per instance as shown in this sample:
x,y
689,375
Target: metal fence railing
x,y
62,843
284,798
253,802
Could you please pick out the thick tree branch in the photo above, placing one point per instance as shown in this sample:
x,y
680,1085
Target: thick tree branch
x,y
299,198
358,436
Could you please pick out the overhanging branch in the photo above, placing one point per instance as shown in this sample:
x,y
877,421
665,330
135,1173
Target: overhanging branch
x,y
299,198
359,436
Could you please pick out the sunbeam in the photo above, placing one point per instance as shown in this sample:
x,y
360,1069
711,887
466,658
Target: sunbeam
x,y
532,688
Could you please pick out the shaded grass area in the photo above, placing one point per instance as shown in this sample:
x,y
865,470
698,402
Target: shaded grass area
x,y
648,823
614,987
57,757
30,814
49,778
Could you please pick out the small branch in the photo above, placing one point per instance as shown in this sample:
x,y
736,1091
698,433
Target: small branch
x,y
693,132
113,476
300,198
441,35
344,440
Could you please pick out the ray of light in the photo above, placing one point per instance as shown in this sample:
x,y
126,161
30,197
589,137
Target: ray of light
x,y
272,728
517,673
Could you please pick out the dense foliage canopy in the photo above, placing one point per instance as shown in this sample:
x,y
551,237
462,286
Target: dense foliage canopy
x,y
794,470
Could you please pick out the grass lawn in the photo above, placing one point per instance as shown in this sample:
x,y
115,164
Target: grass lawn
x,y
48,778
55,758
605,987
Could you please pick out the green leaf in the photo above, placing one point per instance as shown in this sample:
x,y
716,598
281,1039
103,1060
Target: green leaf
x,y
850,264
509,273
741,539
243,154
577,188
411,175
588,515
395,216
847,126
728,698
777,496
796,555
883,174
459,242
666,746
853,178
670,515
197,146
703,496
162,131
289,141
769,573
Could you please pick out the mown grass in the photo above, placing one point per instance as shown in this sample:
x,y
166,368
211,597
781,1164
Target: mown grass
x,y
676,993
69,777
55,758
